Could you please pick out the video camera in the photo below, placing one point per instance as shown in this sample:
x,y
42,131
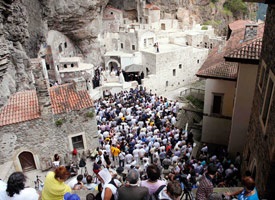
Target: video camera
x,y
186,185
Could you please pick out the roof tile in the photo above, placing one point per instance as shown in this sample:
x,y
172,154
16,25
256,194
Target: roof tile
x,y
65,98
214,64
250,51
22,106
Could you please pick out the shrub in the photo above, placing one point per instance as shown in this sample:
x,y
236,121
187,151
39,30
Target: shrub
x,y
207,23
236,7
204,28
59,122
90,114
196,102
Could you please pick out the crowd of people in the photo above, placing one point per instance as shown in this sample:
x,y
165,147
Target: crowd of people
x,y
142,154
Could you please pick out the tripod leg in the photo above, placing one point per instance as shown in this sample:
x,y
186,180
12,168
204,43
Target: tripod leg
x,y
182,196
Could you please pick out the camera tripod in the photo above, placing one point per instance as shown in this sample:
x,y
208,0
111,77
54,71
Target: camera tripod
x,y
188,195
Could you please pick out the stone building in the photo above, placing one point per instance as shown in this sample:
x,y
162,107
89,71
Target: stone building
x,y
112,19
36,124
259,149
156,49
229,87
167,55
63,60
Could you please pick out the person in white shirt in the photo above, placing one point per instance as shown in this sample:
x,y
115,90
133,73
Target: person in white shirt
x,y
136,155
128,158
121,158
3,187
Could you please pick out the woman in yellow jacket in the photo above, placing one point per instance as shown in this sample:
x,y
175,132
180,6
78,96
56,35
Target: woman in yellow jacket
x,y
54,185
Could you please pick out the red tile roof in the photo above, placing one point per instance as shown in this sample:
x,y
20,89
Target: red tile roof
x,y
152,7
223,70
250,51
113,8
215,60
22,106
239,24
65,98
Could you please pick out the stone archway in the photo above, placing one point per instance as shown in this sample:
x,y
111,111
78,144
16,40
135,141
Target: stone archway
x,y
26,160
113,64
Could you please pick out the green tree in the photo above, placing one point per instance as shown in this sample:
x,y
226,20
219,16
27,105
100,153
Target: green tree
x,y
237,7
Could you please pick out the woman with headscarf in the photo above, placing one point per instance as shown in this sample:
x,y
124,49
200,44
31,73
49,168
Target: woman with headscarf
x,y
109,184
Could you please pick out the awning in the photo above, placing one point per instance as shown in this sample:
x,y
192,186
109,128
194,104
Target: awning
x,y
133,68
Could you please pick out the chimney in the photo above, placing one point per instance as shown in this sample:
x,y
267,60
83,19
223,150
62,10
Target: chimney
x,y
41,83
250,31
80,84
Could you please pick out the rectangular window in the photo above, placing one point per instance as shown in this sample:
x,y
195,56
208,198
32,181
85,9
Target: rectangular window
x,y
166,83
180,66
174,72
217,103
133,47
267,101
121,45
77,142
262,75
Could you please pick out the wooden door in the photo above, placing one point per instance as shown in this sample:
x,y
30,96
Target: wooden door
x,y
27,161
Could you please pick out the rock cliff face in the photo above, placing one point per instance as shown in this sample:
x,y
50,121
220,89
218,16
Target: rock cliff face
x,y
14,62
23,28
24,25
188,11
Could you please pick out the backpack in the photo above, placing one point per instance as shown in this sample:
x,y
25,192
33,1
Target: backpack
x,y
155,195
82,163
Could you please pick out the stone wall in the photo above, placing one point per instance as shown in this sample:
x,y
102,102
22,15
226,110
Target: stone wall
x,y
174,66
259,149
128,39
44,138
61,46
